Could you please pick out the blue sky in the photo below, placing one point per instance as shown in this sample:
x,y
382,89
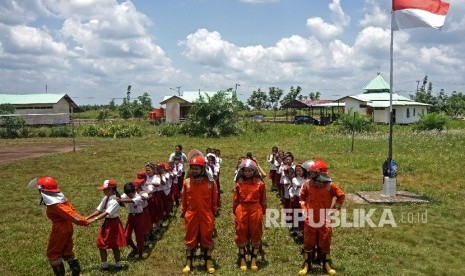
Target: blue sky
x,y
94,49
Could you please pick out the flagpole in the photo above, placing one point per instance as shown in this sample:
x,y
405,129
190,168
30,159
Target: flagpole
x,y
391,73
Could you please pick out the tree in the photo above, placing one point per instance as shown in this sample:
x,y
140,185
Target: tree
x,y
211,117
12,124
314,95
128,93
112,105
258,100
125,110
138,110
292,95
425,95
145,101
274,94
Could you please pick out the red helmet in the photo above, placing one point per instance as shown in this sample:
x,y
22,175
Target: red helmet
x,y
48,184
141,175
197,161
319,166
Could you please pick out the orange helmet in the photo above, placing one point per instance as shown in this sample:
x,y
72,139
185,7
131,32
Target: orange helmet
x,y
319,166
47,184
197,161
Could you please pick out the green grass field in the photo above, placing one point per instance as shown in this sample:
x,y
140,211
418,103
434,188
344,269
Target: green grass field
x,y
430,164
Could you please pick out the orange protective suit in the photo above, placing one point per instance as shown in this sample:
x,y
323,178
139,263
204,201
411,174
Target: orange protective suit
x,y
199,204
249,206
60,243
314,199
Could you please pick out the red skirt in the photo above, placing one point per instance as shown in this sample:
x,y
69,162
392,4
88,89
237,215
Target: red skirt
x,y
111,234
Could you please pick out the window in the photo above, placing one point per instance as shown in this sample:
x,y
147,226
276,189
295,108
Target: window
x,y
422,111
414,112
408,112
363,106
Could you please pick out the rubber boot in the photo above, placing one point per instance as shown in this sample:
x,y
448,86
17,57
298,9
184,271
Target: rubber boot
x,y
207,255
59,270
307,264
189,257
253,262
327,265
74,267
243,264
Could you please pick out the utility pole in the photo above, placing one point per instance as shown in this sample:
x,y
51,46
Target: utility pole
x,y
177,89
418,83
235,90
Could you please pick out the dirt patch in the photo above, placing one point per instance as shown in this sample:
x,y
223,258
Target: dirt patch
x,y
11,151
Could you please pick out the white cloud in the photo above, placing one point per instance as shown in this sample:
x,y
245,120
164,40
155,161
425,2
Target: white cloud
x,y
376,16
327,31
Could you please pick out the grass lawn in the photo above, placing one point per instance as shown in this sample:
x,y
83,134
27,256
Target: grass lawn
x,y
430,164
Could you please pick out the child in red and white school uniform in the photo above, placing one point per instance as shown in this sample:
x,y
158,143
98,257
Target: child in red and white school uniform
x,y
139,184
273,160
177,170
165,173
155,183
135,223
294,192
111,234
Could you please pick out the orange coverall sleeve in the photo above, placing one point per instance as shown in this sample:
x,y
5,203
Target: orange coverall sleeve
x,y
338,193
184,195
235,198
304,195
263,197
68,212
214,198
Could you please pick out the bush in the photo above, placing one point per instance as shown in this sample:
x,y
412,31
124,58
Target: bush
x,y
169,129
432,121
114,130
211,117
348,123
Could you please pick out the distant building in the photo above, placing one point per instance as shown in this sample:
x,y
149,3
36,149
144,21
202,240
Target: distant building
x,y
177,107
375,103
41,109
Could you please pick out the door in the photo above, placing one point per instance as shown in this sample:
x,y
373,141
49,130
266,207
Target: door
x,y
393,116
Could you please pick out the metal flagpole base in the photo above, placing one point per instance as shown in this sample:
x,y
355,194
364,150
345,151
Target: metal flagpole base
x,y
389,186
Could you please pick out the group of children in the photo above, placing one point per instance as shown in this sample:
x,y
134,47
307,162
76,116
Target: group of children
x,y
307,189
149,200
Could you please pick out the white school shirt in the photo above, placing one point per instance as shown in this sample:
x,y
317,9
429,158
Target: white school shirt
x,y
273,164
144,196
297,183
111,208
168,182
134,207
183,160
177,171
155,182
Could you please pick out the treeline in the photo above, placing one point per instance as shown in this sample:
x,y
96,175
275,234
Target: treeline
x,y
452,105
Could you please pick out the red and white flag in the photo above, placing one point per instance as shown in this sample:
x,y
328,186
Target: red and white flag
x,y
419,13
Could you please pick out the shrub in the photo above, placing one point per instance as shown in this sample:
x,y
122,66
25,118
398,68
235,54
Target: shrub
x,y
211,117
169,129
432,121
355,122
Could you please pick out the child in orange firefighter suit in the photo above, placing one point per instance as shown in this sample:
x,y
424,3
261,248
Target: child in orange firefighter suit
x,y
63,215
199,207
249,207
316,198
111,234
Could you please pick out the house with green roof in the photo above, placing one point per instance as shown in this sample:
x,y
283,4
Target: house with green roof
x,y
41,109
375,102
177,107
